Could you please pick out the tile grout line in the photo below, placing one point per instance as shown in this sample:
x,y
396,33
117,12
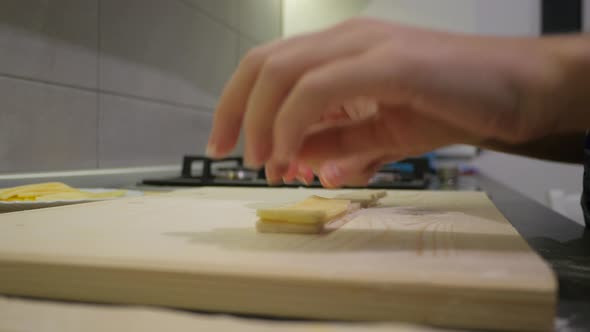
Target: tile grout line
x,y
47,82
219,21
281,18
194,107
98,63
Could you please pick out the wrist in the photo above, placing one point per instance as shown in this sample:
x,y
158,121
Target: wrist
x,y
568,96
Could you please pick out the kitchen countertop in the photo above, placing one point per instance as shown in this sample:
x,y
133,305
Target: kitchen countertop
x,y
560,241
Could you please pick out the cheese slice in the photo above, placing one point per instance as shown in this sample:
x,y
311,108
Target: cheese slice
x,y
311,215
269,226
53,191
32,190
314,210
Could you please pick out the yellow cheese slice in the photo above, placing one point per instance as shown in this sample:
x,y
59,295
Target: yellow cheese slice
x,y
81,195
52,191
269,226
313,210
36,188
37,193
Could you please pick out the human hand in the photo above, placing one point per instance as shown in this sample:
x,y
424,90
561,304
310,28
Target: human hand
x,y
429,89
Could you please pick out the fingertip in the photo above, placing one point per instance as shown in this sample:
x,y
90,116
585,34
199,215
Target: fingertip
x,y
222,140
251,162
211,150
283,158
285,142
275,173
302,180
304,174
215,151
291,173
326,183
256,156
272,179
332,174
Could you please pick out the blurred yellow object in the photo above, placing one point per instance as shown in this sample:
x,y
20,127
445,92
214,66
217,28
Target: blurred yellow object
x,y
53,191
314,210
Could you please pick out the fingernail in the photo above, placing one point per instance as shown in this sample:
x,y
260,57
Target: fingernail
x,y
211,150
271,178
249,163
273,182
303,180
256,156
325,183
277,172
283,159
331,174
306,173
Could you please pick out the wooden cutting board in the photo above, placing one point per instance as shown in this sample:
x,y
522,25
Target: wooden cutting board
x,y
441,258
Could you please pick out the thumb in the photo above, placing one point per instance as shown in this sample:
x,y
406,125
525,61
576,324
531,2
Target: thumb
x,y
337,142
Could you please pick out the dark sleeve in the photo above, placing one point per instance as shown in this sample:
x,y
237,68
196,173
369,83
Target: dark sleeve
x,y
567,148
586,192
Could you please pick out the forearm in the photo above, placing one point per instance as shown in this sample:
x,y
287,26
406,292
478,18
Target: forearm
x,y
567,147
570,93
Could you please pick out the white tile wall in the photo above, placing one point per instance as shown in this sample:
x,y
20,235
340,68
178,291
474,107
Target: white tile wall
x,y
259,20
107,83
450,15
139,133
164,50
225,11
302,16
245,44
44,127
518,18
50,40
498,17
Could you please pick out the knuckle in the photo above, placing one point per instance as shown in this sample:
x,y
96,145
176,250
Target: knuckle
x,y
359,21
285,123
370,26
254,57
312,84
276,67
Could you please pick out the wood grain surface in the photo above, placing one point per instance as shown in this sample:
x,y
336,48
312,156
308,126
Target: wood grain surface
x,y
441,258
20,315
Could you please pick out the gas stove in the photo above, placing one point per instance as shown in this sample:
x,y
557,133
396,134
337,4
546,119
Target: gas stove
x,y
199,171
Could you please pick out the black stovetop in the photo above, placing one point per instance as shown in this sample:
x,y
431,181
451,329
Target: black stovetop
x,y
198,171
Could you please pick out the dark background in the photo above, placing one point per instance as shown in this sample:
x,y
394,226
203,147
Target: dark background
x,y
561,16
